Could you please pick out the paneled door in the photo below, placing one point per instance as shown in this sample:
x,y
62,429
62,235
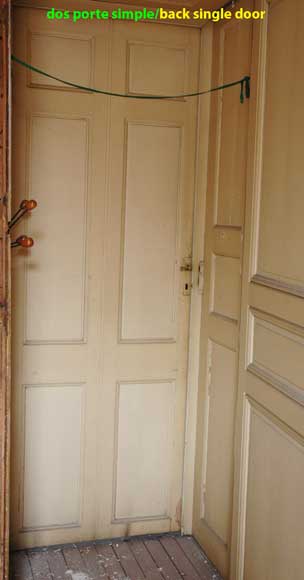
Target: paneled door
x,y
101,302
269,507
222,294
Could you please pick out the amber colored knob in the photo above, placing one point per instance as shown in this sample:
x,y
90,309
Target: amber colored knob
x,y
31,204
25,241
28,204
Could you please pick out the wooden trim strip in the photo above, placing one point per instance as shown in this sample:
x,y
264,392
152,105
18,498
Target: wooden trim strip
x,y
284,386
4,285
276,284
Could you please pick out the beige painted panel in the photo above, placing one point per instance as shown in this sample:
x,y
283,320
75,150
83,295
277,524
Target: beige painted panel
x,y
223,330
227,241
226,286
150,234
275,508
269,300
282,200
219,466
55,270
279,351
168,78
52,458
46,50
231,126
144,449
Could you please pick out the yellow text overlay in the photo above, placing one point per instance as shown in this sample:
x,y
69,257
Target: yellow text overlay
x,y
212,15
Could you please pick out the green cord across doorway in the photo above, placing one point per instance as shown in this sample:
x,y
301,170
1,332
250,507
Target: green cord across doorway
x,y
243,82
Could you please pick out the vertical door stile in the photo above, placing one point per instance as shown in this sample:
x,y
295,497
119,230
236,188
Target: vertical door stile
x,y
4,284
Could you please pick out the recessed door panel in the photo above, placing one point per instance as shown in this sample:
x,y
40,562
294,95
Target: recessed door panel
x,y
56,269
52,456
274,503
282,172
218,473
143,479
150,245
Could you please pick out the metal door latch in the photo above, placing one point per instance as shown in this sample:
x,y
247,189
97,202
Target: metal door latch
x,y
186,265
201,276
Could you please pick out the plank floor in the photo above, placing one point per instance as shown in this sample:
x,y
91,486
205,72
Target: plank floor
x,y
155,558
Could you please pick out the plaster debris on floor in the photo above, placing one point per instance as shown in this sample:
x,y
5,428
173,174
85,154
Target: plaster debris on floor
x,y
168,557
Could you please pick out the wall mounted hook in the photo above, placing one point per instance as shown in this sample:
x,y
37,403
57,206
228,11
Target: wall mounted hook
x,y
23,242
26,206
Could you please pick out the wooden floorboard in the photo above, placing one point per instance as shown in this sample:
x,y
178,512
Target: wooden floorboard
x,y
39,565
93,563
163,561
167,557
74,560
110,562
57,563
20,566
128,561
199,560
145,560
179,558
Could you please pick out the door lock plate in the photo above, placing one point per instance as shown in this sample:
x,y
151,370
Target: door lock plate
x,y
186,265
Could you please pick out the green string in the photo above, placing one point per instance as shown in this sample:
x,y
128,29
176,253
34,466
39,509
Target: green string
x,y
244,82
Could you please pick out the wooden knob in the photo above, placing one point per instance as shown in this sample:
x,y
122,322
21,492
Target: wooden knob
x,y
28,204
32,204
25,242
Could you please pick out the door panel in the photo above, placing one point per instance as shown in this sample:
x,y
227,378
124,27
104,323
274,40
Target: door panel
x,y
222,295
102,314
220,434
268,512
146,315
145,492
58,149
268,516
52,497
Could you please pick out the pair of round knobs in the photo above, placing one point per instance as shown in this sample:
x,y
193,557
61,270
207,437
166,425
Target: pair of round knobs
x,y
25,206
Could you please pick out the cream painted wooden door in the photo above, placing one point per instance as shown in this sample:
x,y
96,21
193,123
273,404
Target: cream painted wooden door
x,y
100,306
269,507
222,294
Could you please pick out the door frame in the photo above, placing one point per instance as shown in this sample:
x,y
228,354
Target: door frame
x,y
5,307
